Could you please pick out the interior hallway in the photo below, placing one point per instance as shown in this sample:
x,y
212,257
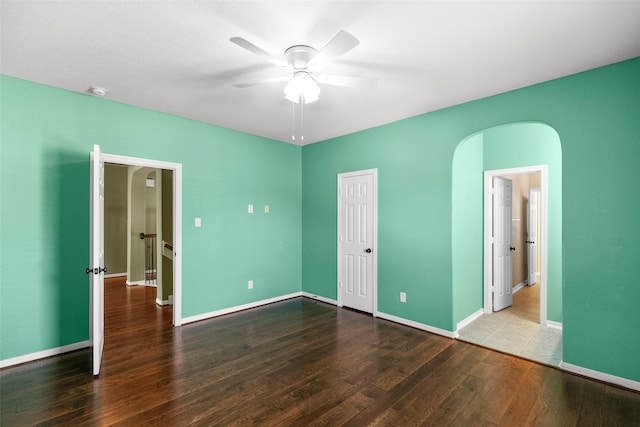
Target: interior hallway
x,y
516,330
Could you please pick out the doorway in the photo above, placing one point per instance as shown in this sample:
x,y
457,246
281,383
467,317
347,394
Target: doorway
x,y
357,240
514,148
176,223
537,178
522,328
96,318
138,227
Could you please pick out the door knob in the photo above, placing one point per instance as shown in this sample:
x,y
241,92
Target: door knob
x,y
512,248
368,250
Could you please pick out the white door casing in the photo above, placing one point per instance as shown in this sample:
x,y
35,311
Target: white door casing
x,y
502,259
96,270
532,237
543,170
177,219
357,246
96,317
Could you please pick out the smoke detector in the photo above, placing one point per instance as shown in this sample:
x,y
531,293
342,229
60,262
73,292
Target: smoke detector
x,y
98,91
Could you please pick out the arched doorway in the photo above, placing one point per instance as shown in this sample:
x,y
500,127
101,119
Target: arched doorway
x,y
519,148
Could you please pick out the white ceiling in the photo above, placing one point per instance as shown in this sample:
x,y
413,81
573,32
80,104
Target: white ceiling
x,y
175,56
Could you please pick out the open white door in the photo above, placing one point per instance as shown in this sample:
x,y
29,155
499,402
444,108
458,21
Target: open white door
x,y
532,233
356,240
97,270
502,260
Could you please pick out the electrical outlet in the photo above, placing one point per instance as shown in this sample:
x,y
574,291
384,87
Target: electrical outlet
x,y
266,208
250,284
403,297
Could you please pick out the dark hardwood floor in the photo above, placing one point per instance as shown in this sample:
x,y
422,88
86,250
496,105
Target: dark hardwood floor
x,y
298,362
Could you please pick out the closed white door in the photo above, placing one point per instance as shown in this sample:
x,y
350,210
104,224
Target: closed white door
x,y
502,259
532,237
96,270
356,240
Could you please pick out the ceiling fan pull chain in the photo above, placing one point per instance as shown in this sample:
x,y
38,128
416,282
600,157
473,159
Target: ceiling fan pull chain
x,y
302,121
293,121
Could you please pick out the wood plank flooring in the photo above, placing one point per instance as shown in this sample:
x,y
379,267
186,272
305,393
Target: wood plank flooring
x,y
298,362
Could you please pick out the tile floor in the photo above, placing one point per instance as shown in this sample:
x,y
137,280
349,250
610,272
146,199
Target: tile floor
x,y
516,330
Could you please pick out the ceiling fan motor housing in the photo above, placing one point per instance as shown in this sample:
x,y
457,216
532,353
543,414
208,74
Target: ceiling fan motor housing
x,y
298,56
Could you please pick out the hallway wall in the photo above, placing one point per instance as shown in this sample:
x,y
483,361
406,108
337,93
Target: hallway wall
x,y
115,219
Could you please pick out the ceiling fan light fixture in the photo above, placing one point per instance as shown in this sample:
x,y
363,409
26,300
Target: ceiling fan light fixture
x,y
302,87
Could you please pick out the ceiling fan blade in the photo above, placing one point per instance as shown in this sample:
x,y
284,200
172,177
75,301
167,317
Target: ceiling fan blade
x,y
340,44
258,51
346,81
262,82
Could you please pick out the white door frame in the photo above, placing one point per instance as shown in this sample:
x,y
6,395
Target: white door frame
x,y
374,284
177,220
542,238
532,248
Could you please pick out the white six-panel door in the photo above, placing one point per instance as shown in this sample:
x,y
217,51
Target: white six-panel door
x,y
356,240
502,259
96,270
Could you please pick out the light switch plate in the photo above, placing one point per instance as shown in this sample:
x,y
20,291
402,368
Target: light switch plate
x,y
266,208
250,208
198,222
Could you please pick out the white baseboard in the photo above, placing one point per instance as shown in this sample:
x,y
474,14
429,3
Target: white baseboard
x,y
319,298
465,322
140,283
601,376
390,317
44,353
112,275
554,325
417,325
519,286
163,302
229,310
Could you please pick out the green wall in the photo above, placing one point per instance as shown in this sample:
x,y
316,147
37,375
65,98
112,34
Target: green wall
x,y
467,234
595,114
46,136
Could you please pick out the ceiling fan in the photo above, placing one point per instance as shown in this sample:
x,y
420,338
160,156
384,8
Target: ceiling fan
x,y
303,62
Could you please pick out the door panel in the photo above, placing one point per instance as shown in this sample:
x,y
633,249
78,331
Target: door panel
x,y
97,257
356,239
502,259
